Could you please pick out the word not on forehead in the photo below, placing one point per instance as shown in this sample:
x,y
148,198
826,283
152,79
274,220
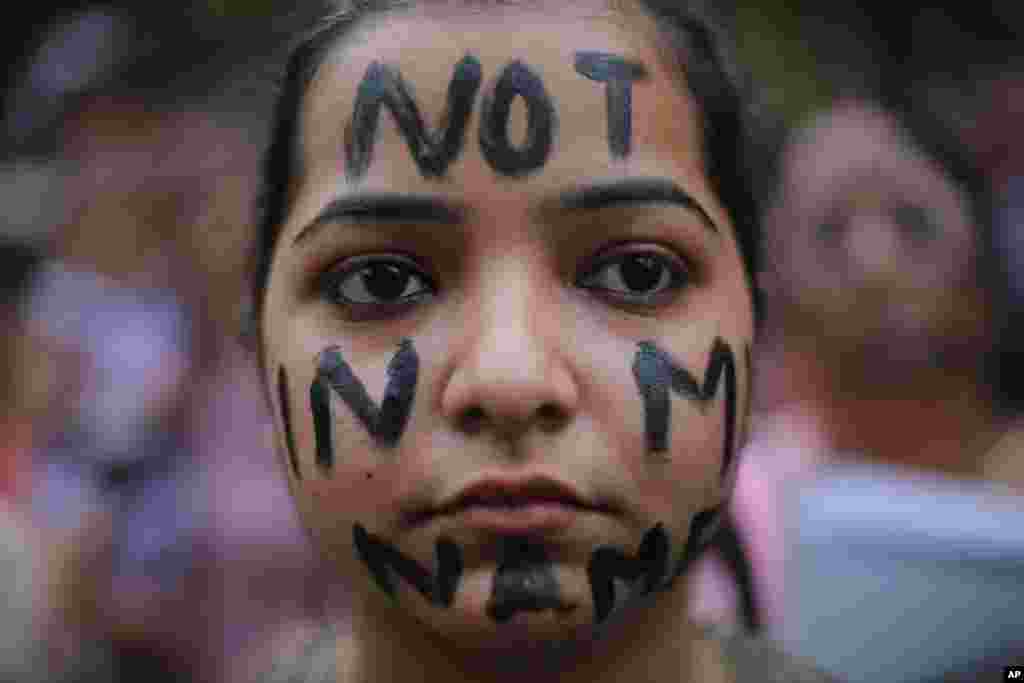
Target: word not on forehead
x,y
386,423
655,372
382,558
433,151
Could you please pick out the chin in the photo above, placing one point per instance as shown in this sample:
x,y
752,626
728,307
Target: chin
x,y
542,640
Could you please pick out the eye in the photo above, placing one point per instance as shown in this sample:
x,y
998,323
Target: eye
x,y
639,276
831,229
915,222
369,285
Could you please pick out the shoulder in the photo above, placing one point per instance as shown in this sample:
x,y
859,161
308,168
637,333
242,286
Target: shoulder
x,y
756,658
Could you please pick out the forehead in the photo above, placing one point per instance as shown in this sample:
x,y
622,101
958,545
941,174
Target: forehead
x,y
425,47
846,137
857,148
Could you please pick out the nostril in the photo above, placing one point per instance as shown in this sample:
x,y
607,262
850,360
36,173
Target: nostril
x,y
551,416
472,420
548,417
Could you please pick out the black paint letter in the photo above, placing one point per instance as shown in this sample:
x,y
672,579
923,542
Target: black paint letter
x,y
286,419
382,558
619,74
655,372
320,404
649,565
525,580
516,79
432,152
648,570
385,424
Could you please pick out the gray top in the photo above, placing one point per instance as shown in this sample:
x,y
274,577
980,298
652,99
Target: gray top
x,y
753,659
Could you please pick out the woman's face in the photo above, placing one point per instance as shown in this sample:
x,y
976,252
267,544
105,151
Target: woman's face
x,y
873,242
509,370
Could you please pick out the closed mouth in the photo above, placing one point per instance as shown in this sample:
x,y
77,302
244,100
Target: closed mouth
x,y
490,499
509,502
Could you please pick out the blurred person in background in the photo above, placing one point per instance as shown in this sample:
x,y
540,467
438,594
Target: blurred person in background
x,y
22,368
22,561
120,450
885,299
149,117
883,285
996,95
880,290
902,534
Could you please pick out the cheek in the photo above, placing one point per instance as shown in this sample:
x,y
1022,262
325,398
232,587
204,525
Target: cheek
x,y
348,495
350,476
686,478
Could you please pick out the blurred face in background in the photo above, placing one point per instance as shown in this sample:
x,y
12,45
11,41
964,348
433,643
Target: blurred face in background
x,y
161,199
500,312
872,244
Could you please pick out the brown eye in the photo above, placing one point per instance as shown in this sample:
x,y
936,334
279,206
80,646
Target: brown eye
x,y
640,277
642,274
375,282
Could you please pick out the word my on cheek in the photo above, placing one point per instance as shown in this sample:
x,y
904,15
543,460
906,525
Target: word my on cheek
x,y
525,581
386,423
434,151
382,558
649,569
655,373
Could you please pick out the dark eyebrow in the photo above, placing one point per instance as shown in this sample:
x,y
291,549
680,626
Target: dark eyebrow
x,y
633,191
385,208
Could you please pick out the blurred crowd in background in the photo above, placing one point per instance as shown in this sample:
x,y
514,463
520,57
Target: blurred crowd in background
x,y
147,526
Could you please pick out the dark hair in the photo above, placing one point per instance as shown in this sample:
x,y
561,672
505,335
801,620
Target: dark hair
x,y
690,44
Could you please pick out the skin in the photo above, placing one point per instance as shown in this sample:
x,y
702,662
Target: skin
x,y
521,370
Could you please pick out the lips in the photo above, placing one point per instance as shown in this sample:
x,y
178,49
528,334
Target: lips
x,y
507,505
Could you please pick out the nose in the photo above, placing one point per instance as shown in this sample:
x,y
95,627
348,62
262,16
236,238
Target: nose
x,y
874,249
512,375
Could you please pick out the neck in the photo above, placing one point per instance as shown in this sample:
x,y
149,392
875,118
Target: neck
x,y
657,643
939,419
